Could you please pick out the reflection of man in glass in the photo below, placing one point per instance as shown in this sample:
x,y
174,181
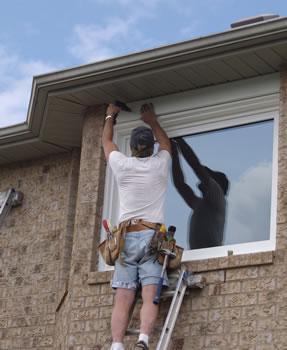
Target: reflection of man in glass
x,y
208,216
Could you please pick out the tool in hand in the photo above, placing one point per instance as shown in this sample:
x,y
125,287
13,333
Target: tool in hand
x,y
122,106
167,254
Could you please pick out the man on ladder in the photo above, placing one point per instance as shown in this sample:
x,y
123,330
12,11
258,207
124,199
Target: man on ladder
x,y
142,181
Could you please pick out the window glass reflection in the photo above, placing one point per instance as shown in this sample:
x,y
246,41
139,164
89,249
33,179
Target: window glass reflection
x,y
219,190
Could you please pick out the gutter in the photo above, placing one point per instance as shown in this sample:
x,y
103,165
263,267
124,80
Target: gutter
x,y
240,38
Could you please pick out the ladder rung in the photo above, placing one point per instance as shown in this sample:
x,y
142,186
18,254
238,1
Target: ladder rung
x,y
170,293
137,331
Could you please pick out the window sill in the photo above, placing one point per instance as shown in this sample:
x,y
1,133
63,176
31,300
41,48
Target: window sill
x,y
231,261
223,263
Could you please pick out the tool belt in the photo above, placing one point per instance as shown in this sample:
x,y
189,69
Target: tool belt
x,y
160,244
173,263
112,247
145,224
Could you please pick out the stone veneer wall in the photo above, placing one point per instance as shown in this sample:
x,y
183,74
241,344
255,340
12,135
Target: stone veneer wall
x,y
243,306
80,319
35,249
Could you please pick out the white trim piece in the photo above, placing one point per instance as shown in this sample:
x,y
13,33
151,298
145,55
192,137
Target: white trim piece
x,y
274,181
214,99
216,252
187,120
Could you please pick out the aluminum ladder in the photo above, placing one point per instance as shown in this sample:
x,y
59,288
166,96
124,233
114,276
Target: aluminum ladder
x,y
9,199
184,281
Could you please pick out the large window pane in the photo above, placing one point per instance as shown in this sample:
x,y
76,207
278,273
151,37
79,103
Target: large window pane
x,y
244,155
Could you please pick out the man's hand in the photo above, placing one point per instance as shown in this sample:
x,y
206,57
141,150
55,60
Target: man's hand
x,y
149,117
147,114
112,110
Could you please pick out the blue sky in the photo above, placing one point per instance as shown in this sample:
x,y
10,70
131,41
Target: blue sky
x,y
38,36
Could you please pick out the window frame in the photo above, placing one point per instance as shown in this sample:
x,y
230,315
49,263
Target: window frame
x,y
214,113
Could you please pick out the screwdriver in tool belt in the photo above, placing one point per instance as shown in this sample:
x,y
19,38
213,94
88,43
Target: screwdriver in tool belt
x,y
110,226
107,228
170,233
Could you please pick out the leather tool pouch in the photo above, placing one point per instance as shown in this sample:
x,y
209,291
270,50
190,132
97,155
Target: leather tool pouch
x,y
173,263
111,247
159,242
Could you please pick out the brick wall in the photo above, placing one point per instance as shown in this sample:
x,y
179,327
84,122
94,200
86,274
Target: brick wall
x,y
80,318
53,298
35,249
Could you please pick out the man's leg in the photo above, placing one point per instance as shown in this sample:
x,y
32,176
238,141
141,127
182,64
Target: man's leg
x,y
149,310
120,315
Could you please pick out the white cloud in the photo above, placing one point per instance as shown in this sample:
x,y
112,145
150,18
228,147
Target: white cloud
x,y
118,35
94,43
16,81
14,102
6,66
249,203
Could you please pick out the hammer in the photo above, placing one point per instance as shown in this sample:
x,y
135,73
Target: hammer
x,y
167,254
122,106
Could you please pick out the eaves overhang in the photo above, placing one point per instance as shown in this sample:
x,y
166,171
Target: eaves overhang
x,y
59,99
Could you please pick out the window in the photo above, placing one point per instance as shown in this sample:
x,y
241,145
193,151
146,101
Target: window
x,y
242,158
237,138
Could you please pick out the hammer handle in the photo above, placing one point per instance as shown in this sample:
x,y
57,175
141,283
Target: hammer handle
x,y
159,286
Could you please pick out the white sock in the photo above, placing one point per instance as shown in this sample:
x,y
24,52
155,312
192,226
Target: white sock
x,y
117,346
144,337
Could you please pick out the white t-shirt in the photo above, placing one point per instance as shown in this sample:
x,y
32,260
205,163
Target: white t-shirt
x,y
142,184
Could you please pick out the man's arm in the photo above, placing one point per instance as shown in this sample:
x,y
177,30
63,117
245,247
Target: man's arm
x,y
148,116
193,161
178,179
107,138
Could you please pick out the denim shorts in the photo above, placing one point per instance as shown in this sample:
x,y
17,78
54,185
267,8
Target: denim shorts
x,y
140,265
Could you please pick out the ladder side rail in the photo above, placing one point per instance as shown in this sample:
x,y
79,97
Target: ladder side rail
x,y
4,196
6,205
172,313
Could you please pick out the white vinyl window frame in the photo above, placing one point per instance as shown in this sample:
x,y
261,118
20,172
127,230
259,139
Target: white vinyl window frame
x,y
203,110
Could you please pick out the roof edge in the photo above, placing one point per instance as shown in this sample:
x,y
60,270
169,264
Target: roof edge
x,y
243,35
241,38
